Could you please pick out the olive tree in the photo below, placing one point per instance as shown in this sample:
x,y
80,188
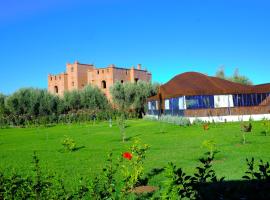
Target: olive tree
x,y
2,104
133,95
93,98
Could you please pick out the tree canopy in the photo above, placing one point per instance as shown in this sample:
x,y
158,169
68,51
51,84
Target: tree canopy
x,y
132,95
236,77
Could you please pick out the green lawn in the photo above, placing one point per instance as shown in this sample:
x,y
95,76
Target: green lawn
x,y
181,145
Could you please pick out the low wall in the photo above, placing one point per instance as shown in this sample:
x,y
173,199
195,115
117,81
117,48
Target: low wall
x,y
232,118
250,110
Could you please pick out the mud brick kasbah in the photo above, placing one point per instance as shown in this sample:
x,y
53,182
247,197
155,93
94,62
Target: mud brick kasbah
x,y
78,75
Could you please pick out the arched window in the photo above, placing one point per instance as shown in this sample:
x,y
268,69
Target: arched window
x,y
55,89
136,80
122,81
103,84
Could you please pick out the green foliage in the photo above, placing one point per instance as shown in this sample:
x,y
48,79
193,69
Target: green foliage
x,y
2,104
266,126
198,121
236,77
263,172
121,123
245,128
132,170
211,146
29,106
39,185
69,144
104,185
93,98
132,96
179,185
112,183
182,121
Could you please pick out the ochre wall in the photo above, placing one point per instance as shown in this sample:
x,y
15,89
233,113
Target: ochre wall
x,y
79,75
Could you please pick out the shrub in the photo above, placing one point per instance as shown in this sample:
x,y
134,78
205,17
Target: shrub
x,y
182,121
150,117
198,121
266,126
69,144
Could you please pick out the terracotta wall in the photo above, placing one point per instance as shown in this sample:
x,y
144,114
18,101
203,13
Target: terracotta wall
x,y
227,111
101,77
79,75
57,82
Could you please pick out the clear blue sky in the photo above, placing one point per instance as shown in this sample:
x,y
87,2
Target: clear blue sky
x,y
38,37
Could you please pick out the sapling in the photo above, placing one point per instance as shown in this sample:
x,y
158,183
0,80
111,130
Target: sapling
x,y
210,145
266,126
245,129
121,122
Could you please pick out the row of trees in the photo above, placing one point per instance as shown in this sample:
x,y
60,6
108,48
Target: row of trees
x,y
236,77
30,104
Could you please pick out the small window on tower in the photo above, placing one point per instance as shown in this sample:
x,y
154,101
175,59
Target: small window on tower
x,y
72,69
51,78
97,71
122,81
102,71
73,83
126,72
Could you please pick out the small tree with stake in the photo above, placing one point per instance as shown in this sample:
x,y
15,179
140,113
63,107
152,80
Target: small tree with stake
x,y
245,129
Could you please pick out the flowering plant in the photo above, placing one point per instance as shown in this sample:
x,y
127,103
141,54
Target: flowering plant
x,y
127,155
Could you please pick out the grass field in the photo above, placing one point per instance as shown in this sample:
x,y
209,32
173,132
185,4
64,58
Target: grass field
x,y
181,145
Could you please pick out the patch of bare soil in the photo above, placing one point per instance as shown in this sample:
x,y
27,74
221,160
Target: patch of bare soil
x,y
144,189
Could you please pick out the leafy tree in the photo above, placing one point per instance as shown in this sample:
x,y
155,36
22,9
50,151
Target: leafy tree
x,y
93,98
143,91
123,95
240,78
2,104
220,73
72,100
236,77
132,95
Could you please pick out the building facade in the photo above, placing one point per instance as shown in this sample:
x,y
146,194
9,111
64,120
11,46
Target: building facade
x,y
78,75
196,95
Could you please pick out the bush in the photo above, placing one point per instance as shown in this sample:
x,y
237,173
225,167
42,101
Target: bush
x,y
69,144
182,121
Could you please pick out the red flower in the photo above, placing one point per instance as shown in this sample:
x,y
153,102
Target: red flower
x,y
127,155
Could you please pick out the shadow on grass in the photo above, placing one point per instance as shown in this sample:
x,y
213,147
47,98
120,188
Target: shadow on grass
x,y
161,132
132,137
264,133
74,150
238,189
127,138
